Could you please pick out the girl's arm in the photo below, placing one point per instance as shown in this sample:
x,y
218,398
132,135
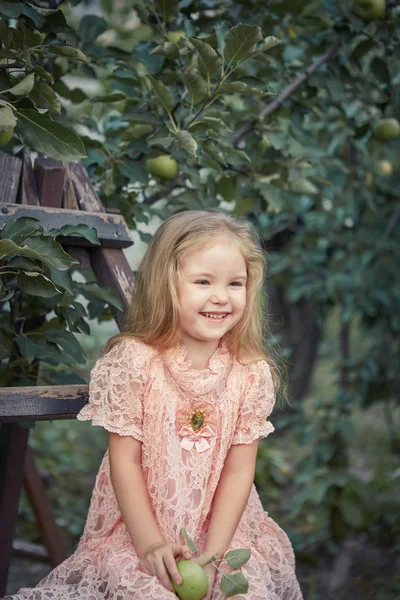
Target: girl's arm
x,y
157,557
131,492
231,497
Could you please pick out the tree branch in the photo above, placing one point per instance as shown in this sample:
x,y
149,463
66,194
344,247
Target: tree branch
x,y
176,183
270,108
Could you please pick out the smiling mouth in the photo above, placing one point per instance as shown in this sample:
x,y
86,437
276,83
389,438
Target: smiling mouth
x,y
215,316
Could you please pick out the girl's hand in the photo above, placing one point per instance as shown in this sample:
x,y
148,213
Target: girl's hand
x,y
211,573
160,560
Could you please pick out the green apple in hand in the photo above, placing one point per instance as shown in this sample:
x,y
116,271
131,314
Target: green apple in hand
x,y
194,584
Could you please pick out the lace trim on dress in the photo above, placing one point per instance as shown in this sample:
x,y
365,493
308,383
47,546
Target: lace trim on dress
x,y
199,382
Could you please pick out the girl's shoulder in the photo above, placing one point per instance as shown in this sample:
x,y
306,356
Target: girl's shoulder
x,y
129,347
252,363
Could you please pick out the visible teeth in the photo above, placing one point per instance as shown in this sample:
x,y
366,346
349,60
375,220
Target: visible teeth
x,y
211,316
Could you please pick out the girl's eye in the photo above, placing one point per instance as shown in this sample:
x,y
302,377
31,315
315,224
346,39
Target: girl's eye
x,y
202,281
236,283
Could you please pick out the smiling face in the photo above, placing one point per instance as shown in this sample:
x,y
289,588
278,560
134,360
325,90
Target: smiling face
x,y
212,292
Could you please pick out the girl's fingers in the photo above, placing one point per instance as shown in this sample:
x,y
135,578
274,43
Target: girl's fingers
x,y
163,575
181,550
172,569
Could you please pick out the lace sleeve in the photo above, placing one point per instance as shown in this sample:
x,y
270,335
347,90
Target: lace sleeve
x,y
257,404
115,390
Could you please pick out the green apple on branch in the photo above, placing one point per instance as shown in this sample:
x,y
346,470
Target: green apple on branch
x,y
163,167
6,136
387,129
175,36
384,167
369,9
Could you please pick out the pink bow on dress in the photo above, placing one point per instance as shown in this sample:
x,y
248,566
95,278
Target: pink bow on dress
x,y
192,438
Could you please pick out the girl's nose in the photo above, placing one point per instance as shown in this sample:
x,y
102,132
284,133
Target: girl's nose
x,y
220,297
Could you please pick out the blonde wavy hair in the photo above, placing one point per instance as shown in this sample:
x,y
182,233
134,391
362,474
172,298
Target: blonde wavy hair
x,y
153,315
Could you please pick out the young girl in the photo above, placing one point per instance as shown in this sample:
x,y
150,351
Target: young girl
x,y
185,393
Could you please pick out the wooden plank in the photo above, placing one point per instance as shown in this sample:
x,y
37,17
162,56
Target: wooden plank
x,y
69,196
42,403
111,268
112,230
29,550
10,171
13,445
52,535
49,175
27,190
84,190
81,254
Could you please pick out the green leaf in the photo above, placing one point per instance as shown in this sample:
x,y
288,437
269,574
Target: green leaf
x,y
23,87
15,9
195,85
241,41
134,171
89,233
168,8
21,262
160,139
188,540
187,142
268,43
7,119
37,284
134,132
20,229
44,135
226,186
44,249
62,279
214,151
237,558
233,583
27,347
49,353
6,342
239,87
380,70
144,119
163,94
114,97
351,510
209,123
92,291
302,185
91,27
68,343
68,51
210,63
168,50
43,95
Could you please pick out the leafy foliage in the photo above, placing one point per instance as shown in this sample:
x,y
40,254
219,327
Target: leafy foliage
x,y
36,281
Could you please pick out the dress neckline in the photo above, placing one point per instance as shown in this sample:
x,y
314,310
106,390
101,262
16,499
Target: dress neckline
x,y
197,382
214,361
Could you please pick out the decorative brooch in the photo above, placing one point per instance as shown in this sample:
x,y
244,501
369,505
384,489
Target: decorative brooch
x,y
196,432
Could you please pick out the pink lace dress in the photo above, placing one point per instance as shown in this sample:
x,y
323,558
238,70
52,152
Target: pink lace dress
x,y
186,420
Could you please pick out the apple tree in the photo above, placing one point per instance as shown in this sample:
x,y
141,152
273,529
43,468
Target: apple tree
x,y
288,112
